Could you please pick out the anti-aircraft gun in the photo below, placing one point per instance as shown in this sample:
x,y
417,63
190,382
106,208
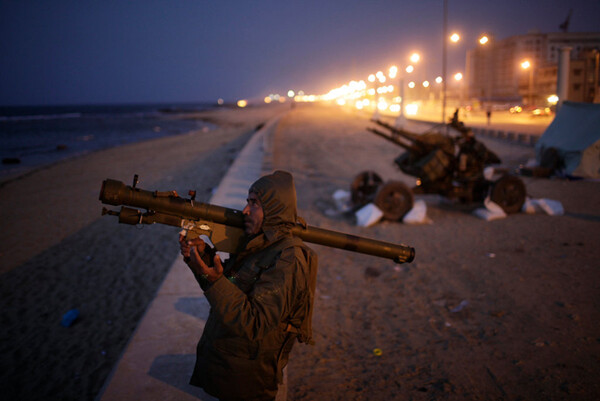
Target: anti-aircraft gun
x,y
451,166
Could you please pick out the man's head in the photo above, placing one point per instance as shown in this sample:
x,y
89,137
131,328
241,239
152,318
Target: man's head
x,y
271,203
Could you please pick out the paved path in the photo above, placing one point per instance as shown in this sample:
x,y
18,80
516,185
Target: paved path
x,y
159,359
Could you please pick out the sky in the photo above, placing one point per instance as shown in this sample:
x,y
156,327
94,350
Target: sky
x,y
166,51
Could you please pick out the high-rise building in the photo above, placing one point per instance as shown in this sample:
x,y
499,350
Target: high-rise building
x,y
494,73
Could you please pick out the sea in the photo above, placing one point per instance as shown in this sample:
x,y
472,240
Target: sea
x,y
32,137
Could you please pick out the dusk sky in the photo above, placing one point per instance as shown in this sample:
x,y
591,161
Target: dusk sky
x,y
139,51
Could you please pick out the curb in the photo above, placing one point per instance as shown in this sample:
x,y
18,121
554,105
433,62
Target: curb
x,y
518,137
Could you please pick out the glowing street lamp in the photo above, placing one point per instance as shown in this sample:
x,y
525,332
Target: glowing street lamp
x,y
455,37
414,58
526,65
484,40
458,78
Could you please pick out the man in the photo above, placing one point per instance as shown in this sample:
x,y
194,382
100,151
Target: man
x,y
261,299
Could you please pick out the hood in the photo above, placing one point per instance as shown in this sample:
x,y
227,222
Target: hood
x,y
277,196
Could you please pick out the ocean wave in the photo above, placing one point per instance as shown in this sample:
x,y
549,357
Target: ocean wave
x,y
41,117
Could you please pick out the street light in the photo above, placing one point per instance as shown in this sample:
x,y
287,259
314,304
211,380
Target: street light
x,y
458,78
526,65
414,58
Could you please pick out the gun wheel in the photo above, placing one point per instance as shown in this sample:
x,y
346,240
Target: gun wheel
x,y
394,199
509,192
364,187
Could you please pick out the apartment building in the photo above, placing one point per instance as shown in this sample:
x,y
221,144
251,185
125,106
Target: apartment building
x,y
494,72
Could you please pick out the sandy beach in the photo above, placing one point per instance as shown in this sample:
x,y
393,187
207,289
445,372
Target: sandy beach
x,y
502,310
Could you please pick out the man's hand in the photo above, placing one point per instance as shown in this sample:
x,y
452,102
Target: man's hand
x,y
192,252
186,246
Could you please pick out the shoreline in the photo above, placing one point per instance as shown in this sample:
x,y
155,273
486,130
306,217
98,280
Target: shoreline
x,y
23,171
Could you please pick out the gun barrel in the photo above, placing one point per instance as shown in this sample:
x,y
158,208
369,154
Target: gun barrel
x,y
395,141
405,134
116,193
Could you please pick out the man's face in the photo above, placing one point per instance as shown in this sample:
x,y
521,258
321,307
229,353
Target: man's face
x,y
253,215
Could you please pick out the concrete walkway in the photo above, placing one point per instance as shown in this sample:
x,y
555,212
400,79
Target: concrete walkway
x,y
159,359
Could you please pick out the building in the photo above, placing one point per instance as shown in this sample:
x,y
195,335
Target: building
x,y
494,73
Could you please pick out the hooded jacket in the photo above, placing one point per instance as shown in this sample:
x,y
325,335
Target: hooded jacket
x,y
261,305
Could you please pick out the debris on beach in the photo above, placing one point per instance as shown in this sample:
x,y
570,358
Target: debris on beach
x,y
11,160
372,272
463,304
69,318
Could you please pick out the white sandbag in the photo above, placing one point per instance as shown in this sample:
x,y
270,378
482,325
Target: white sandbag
x,y
488,173
551,207
342,200
368,215
491,211
548,206
418,214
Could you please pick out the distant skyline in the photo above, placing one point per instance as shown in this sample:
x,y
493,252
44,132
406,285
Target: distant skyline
x,y
91,52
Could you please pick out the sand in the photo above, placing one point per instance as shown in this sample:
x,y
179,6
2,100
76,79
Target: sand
x,y
489,310
528,285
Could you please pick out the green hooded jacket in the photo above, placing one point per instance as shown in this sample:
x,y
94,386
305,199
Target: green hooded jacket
x,y
261,305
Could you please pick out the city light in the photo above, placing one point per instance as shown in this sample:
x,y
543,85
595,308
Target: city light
x,y
455,37
411,84
426,84
393,72
415,57
268,99
242,103
290,93
552,99
411,109
525,64
410,68
438,80
484,39
458,76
